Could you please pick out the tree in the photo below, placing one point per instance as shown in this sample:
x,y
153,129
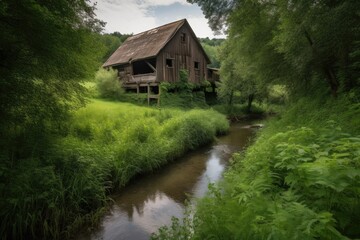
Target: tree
x,y
304,44
212,52
216,11
236,77
111,43
46,48
121,37
318,37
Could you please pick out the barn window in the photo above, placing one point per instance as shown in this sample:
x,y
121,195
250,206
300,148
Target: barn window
x,y
196,65
170,62
144,66
183,37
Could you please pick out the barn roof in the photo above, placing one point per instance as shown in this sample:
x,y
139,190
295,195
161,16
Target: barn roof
x,y
146,44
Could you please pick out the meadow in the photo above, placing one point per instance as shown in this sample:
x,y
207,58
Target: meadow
x,y
102,147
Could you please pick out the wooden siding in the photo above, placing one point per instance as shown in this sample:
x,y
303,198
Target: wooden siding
x,y
184,54
124,71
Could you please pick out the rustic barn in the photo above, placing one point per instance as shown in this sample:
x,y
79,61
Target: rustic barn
x,y
157,55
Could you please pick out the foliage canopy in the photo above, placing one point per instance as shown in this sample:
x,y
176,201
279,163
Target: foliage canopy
x,y
46,47
303,44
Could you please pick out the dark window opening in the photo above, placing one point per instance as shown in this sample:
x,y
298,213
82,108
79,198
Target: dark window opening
x,y
143,67
210,73
183,37
170,62
154,89
197,65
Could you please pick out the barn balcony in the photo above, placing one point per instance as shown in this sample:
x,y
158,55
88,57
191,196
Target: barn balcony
x,y
143,78
144,72
144,83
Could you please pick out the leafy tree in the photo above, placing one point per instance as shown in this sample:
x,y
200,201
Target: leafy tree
x,y
304,44
212,52
111,43
321,35
216,11
212,42
237,78
46,47
122,37
211,47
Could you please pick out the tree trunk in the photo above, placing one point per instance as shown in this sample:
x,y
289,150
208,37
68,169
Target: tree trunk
x,y
332,80
328,70
213,87
231,98
250,100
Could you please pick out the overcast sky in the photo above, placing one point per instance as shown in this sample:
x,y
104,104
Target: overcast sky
x,y
134,16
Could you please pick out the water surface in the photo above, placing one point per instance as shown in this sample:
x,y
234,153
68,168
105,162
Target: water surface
x,y
149,202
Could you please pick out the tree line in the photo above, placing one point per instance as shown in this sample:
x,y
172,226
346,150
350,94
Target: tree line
x,y
304,45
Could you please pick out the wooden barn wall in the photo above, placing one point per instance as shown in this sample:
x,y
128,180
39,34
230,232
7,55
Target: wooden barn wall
x,y
124,71
184,55
160,68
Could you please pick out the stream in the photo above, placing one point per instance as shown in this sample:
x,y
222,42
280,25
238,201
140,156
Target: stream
x,y
149,202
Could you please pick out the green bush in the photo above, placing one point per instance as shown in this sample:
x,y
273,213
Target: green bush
x,y
108,84
182,94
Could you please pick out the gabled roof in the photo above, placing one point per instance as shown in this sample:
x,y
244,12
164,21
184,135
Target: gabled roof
x,y
146,44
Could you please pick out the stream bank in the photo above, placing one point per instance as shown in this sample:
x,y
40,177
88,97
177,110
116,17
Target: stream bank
x,y
150,201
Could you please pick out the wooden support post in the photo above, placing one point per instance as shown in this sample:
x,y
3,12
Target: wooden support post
x,y
159,93
137,89
148,94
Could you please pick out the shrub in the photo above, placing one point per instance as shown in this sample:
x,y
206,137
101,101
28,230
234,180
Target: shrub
x,y
182,93
108,84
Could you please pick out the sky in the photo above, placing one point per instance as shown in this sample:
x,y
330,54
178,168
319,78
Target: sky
x,y
135,16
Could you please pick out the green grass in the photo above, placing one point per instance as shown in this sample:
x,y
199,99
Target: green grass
x,y
104,146
299,180
141,138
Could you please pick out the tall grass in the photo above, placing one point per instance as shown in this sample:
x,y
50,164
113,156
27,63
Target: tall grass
x,y
300,180
104,146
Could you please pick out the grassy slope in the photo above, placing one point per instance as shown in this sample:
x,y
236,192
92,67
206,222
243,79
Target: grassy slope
x,y
105,145
300,180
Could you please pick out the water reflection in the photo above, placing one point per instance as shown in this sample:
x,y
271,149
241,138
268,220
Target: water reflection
x,y
149,202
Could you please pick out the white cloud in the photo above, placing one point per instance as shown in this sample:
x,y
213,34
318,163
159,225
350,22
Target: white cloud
x,y
162,2
201,27
133,16
124,16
